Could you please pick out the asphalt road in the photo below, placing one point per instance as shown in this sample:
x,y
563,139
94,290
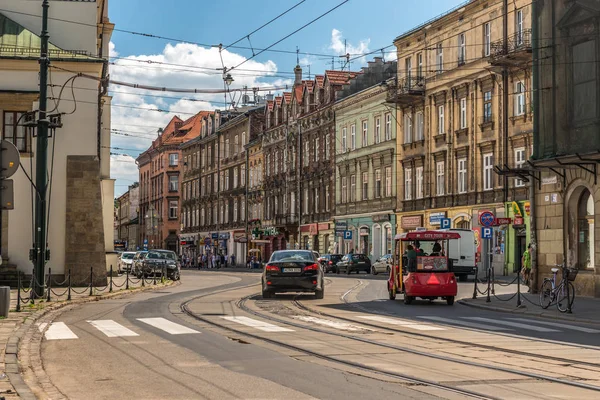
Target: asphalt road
x,y
145,347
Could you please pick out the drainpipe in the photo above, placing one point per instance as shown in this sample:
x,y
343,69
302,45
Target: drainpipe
x,y
505,102
536,144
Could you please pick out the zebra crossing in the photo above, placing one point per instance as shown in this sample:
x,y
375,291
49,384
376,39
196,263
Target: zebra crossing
x,y
112,329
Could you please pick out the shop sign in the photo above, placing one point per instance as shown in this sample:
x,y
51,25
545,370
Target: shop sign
x,y
323,226
240,237
214,236
340,227
516,209
186,242
519,221
224,236
503,221
550,180
364,231
436,218
527,206
313,229
381,218
270,231
411,222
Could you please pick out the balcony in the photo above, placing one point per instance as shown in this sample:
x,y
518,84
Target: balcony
x,y
515,52
408,91
487,121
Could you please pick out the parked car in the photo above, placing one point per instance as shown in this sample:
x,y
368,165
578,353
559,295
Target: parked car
x,y
354,263
292,271
383,264
157,261
137,263
329,262
125,261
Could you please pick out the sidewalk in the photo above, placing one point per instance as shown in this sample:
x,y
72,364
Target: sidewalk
x,y
585,309
14,326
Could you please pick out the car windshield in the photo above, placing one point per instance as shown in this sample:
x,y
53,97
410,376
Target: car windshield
x,y
361,257
336,257
292,256
169,255
127,256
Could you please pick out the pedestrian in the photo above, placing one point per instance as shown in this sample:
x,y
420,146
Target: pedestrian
x,y
526,263
222,263
411,258
214,261
233,260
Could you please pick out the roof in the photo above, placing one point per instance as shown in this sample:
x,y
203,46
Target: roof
x,y
320,80
427,236
310,85
278,101
298,92
288,97
195,122
19,42
340,77
270,104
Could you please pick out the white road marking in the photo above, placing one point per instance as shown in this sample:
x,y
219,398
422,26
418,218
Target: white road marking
x,y
404,323
111,328
261,325
167,326
59,330
465,323
332,324
557,325
513,324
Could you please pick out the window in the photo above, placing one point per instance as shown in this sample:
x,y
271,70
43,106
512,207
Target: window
x,y
462,49
388,126
420,65
463,113
317,206
306,153
173,159
226,211
378,130
487,106
276,162
344,190
305,201
203,158
214,218
408,68
462,175
487,39
419,134
352,188
440,58
235,210
365,135
519,98
388,181
173,209
236,144
222,216
519,162
202,217
327,198
584,78
226,152
377,183
488,177
267,165
440,180
209,157
344,140
327,146
519,27
365,185
441,128
243,140
353,135
173,183
243,174
407,183
316,149
216,183
235,177
419,182
242,210
407,128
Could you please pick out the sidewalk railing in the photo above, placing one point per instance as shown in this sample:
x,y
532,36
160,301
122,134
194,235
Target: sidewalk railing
x,y
26,293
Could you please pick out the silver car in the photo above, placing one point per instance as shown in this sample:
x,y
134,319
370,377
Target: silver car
x,y
126,261
382,264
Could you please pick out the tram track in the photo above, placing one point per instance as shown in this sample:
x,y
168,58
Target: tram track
x,y
241,304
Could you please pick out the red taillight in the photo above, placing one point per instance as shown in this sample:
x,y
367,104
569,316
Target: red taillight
x,y
312,267
272,268
330,262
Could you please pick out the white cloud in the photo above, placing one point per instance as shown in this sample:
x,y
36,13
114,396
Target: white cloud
x,y
337,44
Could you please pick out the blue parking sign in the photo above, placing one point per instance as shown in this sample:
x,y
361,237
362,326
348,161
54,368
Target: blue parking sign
x,y
347,235
445,223
486,233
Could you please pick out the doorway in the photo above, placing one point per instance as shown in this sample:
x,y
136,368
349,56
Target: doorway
x,y
521,246
316,243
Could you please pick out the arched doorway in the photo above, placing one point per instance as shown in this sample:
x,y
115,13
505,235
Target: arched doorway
x,y
376,237
388,239
580,215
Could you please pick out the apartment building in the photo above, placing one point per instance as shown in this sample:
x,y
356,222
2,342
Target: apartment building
x,y
459,117
365,195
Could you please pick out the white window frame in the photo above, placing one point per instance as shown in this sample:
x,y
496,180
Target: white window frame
x,y
344,197
487,39
419,126
365,134
377,130
440,180
243,175
407,183
439,58
463,113
488,171
344,140
462,48
353,136
519,27
365,185
419,182
388,126
519,98
420,65
235,177
388,181
235,210
441,120
462,175
378,186
173,206
407,128
352,188
519,163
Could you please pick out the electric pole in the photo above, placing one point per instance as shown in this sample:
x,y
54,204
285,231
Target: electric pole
x,y
41,159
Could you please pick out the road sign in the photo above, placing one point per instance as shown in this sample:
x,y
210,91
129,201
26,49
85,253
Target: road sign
x,y
341,226
445,223
486,233
487,218
9,159
347,235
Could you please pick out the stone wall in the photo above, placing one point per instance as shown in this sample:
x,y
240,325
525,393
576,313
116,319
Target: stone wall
x,y
84,222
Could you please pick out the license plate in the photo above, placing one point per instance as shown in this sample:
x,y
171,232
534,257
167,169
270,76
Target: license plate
x,y
292,270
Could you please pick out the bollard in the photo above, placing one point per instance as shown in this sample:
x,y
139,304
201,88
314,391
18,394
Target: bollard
x,y
18,291
518,290
127,277
91,281
69,296
154,274
31,291
164,271
4,301
475,285
493,281
489,274
111,277
49,283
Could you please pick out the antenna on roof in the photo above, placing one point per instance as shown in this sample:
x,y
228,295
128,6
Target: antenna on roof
x,y
308,71
297,56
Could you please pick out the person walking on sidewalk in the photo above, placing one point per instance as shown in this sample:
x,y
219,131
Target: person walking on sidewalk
x,y
526,263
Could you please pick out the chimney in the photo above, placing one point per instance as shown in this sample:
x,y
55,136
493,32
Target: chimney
x,y
298,75
269,97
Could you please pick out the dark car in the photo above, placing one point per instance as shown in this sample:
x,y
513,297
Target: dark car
x,y
354,263
329,262
292,271
158,261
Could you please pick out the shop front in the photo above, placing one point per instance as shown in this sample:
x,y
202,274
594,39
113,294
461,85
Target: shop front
x,y
267,240
188,248
517,234
309,237
240,244
371,235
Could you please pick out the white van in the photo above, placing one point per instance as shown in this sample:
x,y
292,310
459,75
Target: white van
x,y
462,252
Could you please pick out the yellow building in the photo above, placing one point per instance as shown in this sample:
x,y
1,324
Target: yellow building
x,y
453,130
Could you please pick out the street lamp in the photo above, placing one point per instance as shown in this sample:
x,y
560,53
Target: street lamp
x,y
228,79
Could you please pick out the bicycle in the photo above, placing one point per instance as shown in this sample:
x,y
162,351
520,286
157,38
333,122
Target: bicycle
x,y
552,292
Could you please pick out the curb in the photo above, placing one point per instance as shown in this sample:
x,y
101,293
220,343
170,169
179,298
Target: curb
x,y
11,353
525,311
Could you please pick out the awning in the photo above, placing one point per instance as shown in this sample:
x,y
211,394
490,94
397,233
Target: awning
x,y
427,236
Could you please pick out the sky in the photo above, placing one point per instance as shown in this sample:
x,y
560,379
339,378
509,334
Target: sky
x,y
195,28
